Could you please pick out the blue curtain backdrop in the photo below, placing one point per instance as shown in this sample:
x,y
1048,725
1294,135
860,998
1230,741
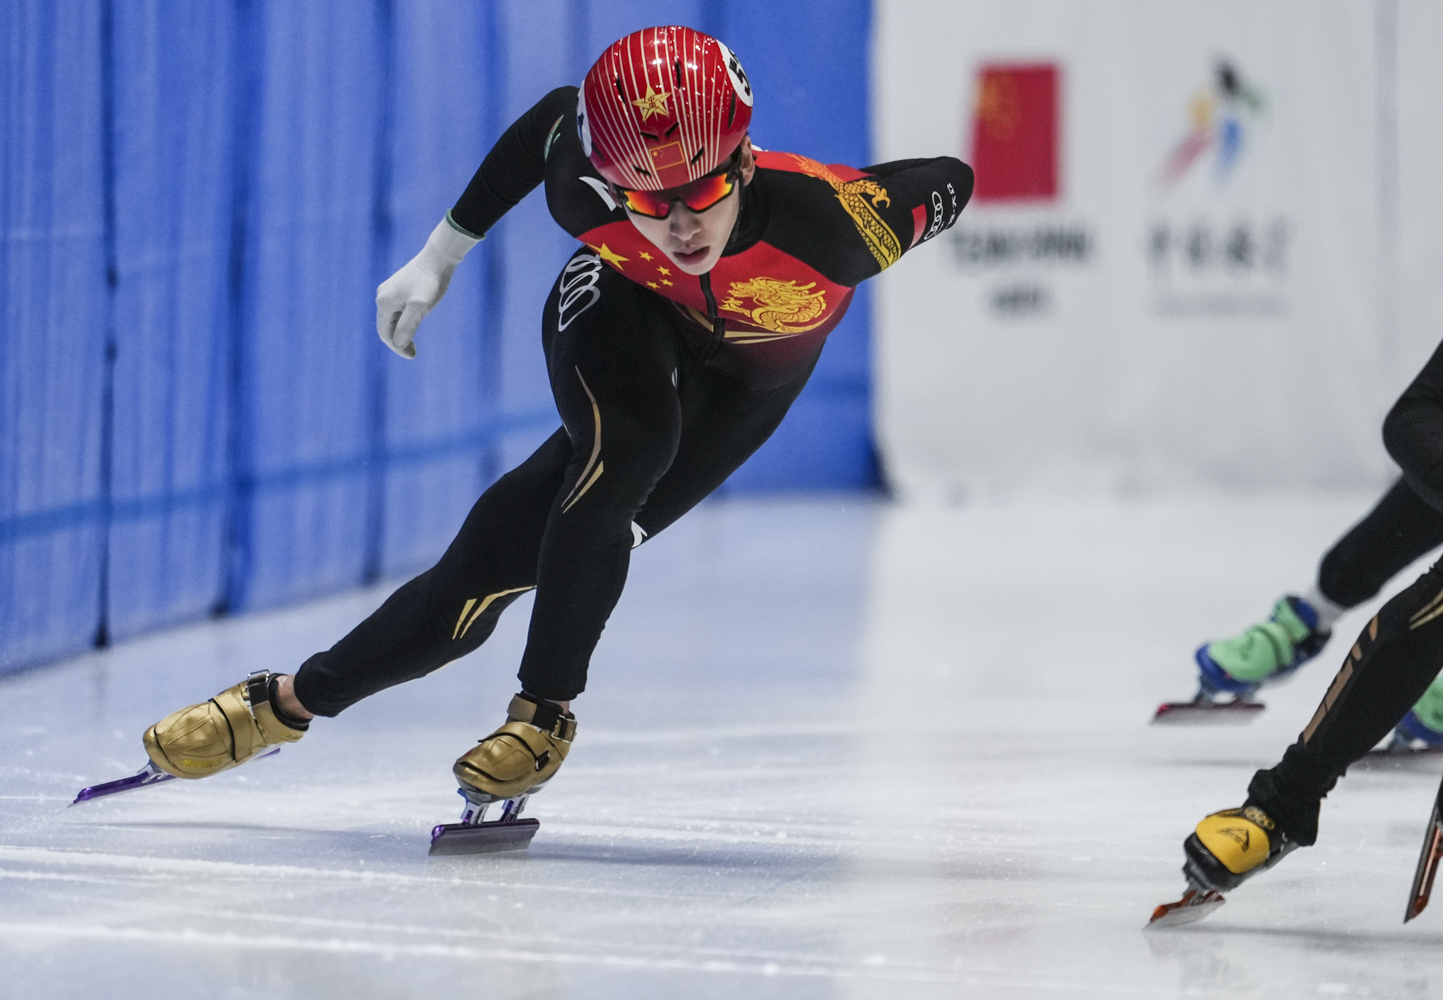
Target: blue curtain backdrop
x,y
197,200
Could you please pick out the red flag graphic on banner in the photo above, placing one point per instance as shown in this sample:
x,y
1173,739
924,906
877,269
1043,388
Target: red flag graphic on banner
x,y
1014,132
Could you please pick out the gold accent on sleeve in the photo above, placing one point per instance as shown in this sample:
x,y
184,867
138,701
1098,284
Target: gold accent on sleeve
x,y
551,137
853,195
486,603
579,488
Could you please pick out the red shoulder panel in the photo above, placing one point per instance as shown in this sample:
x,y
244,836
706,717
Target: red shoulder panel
x,y
795,163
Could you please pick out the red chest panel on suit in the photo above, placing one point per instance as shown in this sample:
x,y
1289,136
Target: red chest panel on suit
x,y
763,294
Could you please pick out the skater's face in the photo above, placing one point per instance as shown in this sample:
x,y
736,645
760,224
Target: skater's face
x,y
694,240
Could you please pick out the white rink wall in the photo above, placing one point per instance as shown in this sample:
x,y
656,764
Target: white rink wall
x,y
1242,324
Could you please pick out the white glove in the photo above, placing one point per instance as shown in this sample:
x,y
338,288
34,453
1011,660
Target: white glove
x,y
405,298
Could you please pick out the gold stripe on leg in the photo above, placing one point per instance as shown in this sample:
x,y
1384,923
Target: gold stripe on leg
x,y
1334,691
594,477
579,488
1425,609
464,611
1424,621
487,603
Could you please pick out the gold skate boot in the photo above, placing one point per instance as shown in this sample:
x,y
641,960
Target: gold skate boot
x,y
521,755
228,730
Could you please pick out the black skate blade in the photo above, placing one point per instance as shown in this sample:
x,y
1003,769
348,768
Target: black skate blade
x,y
144,778
1202,712
1194,905
483,838
1427,869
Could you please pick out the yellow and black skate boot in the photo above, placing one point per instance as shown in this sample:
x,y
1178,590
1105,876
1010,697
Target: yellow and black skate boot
x,y
521,755
230,729
1231,846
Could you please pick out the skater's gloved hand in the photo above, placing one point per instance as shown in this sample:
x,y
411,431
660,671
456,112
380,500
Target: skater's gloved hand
x,y
405,298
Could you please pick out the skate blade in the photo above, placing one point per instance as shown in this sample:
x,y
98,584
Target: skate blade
x,y
1428,860
1237,712
483,838
1194,905
144,778
147,775
1404,752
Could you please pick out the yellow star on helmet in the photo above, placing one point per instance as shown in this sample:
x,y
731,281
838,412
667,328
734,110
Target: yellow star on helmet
x,y
653,103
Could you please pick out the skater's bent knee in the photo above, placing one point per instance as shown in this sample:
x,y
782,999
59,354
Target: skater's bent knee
x,y
1344,582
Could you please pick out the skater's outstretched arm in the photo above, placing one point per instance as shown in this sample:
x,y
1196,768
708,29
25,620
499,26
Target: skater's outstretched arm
x,y
515,165
513,168
860,222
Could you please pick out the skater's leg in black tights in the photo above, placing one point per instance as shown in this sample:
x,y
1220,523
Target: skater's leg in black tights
x,y
611,367
1397,531
724,423
1395,658
450,609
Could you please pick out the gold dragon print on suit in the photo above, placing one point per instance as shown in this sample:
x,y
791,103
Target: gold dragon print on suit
x,y
853,195
786,308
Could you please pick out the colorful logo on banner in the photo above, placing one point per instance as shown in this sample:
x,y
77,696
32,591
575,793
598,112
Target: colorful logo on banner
x,y
1222,115
1015,132
1220,249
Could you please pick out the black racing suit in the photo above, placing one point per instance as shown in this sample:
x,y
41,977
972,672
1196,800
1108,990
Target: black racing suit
x,y
665,383
1400,651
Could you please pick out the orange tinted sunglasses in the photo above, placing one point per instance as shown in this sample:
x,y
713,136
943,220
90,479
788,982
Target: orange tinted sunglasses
x,y
698,195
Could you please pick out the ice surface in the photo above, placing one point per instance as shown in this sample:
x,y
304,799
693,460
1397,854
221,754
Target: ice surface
x,y
831,749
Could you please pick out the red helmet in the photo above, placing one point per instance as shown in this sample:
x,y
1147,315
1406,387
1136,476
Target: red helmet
x,y
662,107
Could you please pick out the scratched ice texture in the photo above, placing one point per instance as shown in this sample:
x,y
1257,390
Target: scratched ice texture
x,y
831,748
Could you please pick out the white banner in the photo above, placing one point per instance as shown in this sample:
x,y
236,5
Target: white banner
x,y
1179,269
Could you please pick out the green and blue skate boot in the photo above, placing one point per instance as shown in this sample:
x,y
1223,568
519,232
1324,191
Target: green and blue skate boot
x,y
1231,670
1266,652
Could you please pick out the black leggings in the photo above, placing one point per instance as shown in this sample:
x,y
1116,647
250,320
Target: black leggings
x,y
1395,658
649,431
1391,664
1397,531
